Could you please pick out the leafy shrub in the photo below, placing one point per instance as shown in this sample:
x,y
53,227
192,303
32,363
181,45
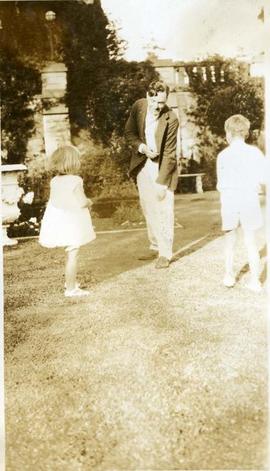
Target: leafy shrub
x,y
29,220
128,212
209,147
37,179
104,170
23,229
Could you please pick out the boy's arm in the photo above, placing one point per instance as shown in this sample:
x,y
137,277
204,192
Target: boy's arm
x,y
220,173
263,168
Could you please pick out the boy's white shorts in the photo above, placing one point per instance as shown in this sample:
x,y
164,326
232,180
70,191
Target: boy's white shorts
x,y
245,211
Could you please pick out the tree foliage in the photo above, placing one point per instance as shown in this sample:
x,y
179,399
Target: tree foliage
x,y
232,91
108,109
244,97
19,84
101,85
225,89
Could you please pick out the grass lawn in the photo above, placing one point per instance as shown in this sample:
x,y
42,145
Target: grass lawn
x,y
155,370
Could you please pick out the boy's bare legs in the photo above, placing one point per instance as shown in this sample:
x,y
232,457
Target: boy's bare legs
x,y
253,260
230,239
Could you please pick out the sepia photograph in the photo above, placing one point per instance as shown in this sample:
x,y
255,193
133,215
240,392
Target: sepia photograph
x,y
135,220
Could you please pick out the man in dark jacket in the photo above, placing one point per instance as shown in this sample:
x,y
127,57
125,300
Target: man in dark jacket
x,y
151,131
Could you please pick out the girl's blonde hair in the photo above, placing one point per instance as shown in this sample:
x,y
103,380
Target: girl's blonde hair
x,y
237,125
65,160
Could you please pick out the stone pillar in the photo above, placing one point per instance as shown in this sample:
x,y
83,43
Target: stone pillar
x,y
182,77
36,144
55,113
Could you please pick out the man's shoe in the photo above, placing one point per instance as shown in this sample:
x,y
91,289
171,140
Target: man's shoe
x,y
150,255
162,262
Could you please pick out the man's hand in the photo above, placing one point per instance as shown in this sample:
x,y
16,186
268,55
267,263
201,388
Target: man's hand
x,y
161,191
144,149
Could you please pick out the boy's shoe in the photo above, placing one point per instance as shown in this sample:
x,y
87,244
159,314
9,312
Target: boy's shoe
x,y
162,262
76,292
229,281
254,285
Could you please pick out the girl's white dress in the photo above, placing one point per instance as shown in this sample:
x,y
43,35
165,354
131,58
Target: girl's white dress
x,y
66,223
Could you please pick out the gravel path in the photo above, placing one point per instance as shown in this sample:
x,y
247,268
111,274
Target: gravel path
x,y
156,370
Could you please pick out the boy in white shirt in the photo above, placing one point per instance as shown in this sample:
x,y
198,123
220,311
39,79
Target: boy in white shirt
x,y
240,171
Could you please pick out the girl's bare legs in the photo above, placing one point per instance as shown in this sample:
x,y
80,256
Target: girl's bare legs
x,y
71,268
72,287
253,260
230,239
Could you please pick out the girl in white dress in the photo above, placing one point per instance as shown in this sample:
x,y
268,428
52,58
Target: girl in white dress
x,y
240,172
67,221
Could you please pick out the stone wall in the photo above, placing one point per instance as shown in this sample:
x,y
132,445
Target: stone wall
x,y
36,144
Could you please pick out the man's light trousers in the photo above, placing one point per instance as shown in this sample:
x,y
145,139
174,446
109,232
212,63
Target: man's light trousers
x,y
159,215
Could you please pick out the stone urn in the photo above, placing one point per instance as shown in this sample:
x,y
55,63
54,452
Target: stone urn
x,y
11,193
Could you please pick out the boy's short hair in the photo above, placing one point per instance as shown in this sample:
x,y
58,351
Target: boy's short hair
x,y
237,125
157,86
65,160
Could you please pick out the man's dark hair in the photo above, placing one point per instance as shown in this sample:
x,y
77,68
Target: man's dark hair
x,y
157,86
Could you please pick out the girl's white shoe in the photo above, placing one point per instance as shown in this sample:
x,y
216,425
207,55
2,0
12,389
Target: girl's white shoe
x,y
77,285
76,292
